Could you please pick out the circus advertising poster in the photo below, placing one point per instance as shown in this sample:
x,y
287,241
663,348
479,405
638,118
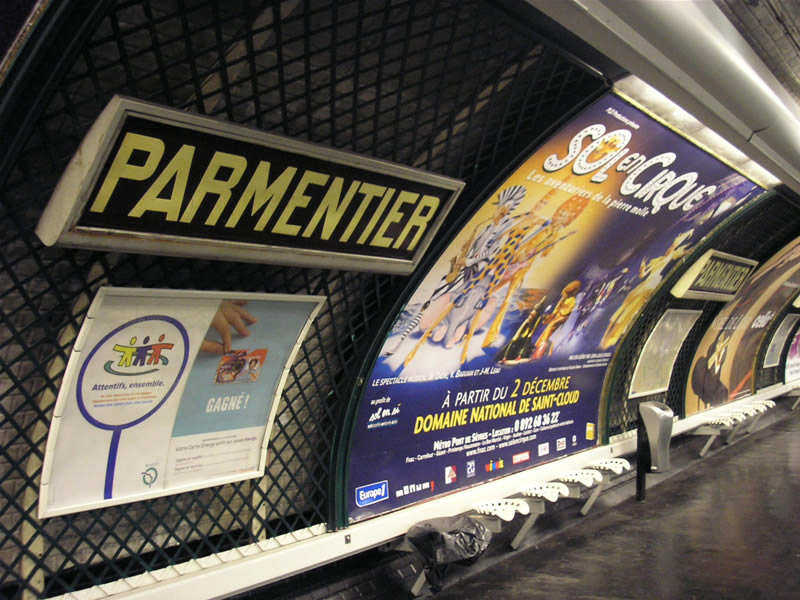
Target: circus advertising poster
x,y
792,372
497,360
168,391
723,365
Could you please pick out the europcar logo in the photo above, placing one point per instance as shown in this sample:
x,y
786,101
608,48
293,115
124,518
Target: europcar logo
x,y
130,357
521,457
372,493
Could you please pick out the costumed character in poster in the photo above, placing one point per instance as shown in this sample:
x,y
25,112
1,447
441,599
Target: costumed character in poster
x,y
467,283
523,248
521,344
607,288
522,348
557,317
650,273
600,291
542,241
508,258
509,264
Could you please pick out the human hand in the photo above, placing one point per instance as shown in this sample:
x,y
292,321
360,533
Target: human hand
x,y
230,315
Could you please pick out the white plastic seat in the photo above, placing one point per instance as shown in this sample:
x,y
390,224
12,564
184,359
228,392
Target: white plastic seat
x,y
550,491
504,508
586,477
616,465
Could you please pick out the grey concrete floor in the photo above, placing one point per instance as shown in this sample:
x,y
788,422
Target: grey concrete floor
x,y
729,527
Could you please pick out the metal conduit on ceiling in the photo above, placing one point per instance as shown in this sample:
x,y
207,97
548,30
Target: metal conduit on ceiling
x,y
690,52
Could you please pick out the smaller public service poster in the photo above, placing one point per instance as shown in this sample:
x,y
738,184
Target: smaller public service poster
x,y
654,367
169,391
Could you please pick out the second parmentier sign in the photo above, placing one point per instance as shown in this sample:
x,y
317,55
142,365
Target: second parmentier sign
x,y
156,180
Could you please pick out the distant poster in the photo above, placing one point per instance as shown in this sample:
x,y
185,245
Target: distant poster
x,y
498,359
723,365
772,357
654,367
167,391
793,360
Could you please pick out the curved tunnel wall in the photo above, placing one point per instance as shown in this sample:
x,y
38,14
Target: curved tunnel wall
x,y
725,366
452,88
744,235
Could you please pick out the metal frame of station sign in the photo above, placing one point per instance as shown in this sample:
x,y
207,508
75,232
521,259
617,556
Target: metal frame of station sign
x,y
714,276
156,180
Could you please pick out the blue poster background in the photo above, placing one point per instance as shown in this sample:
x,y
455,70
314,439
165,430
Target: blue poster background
x,y
497,361
275,330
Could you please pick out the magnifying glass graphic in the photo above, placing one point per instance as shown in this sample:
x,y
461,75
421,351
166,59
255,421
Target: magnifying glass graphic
x,y
143,347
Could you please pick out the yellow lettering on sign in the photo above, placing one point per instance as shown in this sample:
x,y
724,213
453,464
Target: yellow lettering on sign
x,y
331,208
121,168
375,216
177,169
370,190
394,216
298,200
423,213
262,194
209,184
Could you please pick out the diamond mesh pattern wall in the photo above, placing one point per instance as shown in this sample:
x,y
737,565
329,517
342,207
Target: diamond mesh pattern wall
x,y
453,87
760,232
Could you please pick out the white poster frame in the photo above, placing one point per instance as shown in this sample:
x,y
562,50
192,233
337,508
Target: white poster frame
x,y
77,360
644,355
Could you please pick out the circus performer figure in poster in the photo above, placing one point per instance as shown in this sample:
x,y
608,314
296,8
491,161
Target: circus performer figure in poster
x,y
607,288
511,257
521,344
522,348
497,255
651,273
600,292
469,278
539,243
524,247
556,318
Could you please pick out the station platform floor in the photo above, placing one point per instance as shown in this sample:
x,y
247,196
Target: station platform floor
x,y
724,526
727,527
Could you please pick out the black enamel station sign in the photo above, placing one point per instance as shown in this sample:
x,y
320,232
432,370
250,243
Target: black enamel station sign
x,y
171,182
